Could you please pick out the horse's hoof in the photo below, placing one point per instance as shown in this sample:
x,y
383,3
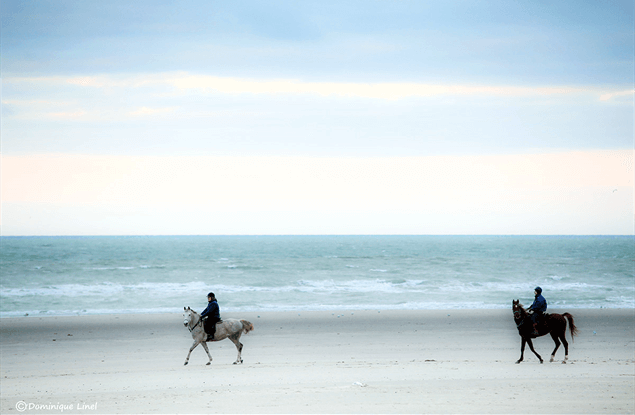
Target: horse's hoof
x,y
208,363
518,361
541,362
564,362
185,364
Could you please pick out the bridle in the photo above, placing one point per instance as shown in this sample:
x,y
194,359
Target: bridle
x,y
191,328
517,317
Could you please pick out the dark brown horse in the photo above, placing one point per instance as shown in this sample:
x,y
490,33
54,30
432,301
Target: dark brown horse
x,y
554,324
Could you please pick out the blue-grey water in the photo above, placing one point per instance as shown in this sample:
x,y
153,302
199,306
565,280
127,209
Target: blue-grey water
x,y
96,275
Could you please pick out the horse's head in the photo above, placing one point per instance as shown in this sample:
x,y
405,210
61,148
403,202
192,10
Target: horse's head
x,y
519,311
188,317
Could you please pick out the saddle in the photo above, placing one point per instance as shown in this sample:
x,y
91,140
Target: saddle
x,y
209,325
529,318
540,319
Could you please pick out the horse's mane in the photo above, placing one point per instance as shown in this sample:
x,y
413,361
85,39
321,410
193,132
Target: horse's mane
x,y
194,312
521,310
519,304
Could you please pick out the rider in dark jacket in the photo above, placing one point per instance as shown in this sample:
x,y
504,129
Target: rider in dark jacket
x,y
538,308
211,316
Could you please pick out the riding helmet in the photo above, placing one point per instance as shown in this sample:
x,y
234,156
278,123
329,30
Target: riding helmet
x,y
538,290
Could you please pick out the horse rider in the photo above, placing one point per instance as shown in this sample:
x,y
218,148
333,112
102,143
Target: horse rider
x,y
211,316
537,309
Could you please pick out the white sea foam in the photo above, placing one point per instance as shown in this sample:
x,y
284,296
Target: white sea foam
x,y
306,286
100,290
617,302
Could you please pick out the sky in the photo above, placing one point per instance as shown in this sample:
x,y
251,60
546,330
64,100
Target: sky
x,y
317,117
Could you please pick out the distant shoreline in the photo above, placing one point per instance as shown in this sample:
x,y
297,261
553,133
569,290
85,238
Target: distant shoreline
x,y
313,311
329,235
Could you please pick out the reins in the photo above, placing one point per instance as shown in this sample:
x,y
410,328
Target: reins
x,y
197,323
521,319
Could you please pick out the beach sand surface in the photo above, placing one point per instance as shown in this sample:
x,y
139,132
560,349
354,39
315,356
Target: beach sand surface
x,y
423,361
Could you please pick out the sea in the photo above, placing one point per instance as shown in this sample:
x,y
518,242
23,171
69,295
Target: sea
x,y
55,276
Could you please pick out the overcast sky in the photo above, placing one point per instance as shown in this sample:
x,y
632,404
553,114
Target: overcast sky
x,y
346,117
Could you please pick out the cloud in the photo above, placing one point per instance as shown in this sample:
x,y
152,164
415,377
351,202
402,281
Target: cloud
x,y
87,81
384,91
44,102
609,96
145,111
99,81
74,115
184,81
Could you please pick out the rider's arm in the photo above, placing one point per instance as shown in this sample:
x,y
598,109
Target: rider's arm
x,y
206,311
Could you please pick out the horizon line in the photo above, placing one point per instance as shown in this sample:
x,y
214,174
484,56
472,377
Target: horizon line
x,y
310,235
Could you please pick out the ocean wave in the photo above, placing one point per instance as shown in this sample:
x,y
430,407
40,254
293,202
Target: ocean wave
x,y
555,277
124,268
97,311
329,286
102,289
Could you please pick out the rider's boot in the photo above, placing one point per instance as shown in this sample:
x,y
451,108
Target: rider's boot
x,y
535,332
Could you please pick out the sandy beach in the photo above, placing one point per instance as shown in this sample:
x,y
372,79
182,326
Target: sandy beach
x,y
455,361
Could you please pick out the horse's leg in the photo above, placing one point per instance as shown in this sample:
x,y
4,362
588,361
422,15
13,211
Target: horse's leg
x,y
566,346
522,349
207,351
554,336
187,359
531,347
235,338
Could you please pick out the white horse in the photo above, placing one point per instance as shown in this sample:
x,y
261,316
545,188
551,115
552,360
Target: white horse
x,y
230,328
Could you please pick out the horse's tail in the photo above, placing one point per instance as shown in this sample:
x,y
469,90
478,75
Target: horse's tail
x,y
247,326
572,327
